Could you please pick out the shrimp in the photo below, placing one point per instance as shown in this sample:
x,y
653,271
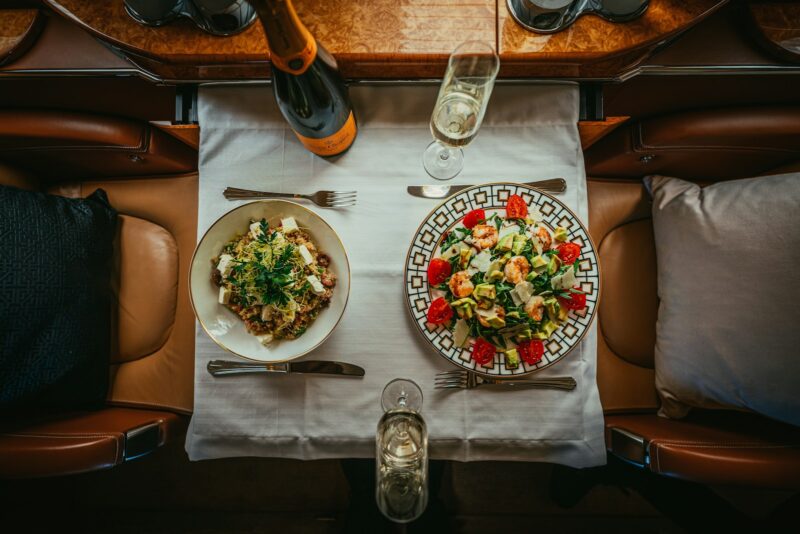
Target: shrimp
x,y
484,236
461,285
516,269
535,308
499,311
544,238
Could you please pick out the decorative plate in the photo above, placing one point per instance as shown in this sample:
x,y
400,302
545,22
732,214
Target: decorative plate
x,y
492,198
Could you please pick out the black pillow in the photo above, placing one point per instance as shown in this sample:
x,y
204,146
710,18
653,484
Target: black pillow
x,y
55,300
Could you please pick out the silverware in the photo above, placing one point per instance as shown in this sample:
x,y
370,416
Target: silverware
x,y
462,379
223,368
326,199
554,185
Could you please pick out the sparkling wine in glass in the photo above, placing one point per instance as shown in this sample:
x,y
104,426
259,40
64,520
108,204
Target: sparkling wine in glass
x,y
401,453
460,106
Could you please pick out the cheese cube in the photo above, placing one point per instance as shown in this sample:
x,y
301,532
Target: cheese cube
x,y
224,295
316,285
289,225
305,254
224,266
255,229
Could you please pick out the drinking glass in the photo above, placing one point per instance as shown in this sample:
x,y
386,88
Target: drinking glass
x,y
401,448
460,106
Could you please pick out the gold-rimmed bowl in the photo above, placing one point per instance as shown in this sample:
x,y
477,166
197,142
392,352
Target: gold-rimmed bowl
x,y
227,329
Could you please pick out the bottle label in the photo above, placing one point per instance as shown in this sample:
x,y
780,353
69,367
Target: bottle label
x,y
333,144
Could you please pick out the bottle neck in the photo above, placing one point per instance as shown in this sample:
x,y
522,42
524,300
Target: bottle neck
x,y
292,47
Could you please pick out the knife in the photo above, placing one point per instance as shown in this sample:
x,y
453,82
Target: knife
x,y
224,367
554,185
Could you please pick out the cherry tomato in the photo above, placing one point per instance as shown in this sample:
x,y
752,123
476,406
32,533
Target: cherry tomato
x,y
483,351
440,311
576,301
516,208
531,351
438,271
568,252
474,217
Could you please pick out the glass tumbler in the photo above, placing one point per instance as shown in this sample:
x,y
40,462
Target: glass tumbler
x,y
401,444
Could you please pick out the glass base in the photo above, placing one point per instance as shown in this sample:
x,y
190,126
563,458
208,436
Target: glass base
x,y
443,162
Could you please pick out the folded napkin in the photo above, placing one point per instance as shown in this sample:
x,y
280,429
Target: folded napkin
x,y
529,133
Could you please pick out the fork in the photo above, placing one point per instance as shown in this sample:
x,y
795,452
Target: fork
x,y
461,379
326,199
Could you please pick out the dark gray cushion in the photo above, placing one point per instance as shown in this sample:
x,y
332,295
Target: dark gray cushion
x,y
55,299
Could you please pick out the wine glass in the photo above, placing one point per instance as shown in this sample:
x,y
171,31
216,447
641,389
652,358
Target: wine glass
x,y
401,446
460,107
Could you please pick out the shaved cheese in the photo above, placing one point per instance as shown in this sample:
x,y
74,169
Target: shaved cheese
x,y
564,281
482,261
524,291
510,229
265,339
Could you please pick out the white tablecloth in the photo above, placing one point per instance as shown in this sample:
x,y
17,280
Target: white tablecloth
x,y
529,133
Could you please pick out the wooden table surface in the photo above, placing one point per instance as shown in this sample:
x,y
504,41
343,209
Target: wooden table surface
x,y
395,38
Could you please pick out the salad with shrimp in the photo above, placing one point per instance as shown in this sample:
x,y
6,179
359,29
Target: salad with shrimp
x,y
508,282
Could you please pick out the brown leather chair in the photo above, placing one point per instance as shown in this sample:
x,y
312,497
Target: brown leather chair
x,y
151,179
711,447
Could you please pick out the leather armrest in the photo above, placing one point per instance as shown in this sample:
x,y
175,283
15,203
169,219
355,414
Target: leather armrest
x,y
59,146
722,448
81,442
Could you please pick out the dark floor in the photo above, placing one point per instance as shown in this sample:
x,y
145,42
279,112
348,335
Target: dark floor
x,y
166,493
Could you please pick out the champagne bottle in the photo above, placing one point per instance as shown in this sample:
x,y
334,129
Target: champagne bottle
x,y
308,88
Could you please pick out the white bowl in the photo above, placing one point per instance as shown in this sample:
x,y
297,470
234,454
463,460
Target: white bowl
x,y
226,328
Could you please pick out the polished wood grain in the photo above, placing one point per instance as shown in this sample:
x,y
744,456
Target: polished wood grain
x,y
393,38
186,133
592,131
17,30
778,24
592,39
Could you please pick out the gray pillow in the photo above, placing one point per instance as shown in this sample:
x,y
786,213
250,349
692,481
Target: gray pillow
x,y
728,333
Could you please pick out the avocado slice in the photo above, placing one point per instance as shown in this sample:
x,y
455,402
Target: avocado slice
x,y
554,265
519,243
512,358
494,276
505,244
465,256
485,291
538,261
496,322
513,314
524,335
553,308
560,234
465,308
547,328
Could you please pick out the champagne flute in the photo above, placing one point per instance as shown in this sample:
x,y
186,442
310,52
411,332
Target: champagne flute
x,y
401,468
460,107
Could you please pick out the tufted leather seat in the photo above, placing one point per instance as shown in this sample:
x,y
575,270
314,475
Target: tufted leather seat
x,y
712,447
149,177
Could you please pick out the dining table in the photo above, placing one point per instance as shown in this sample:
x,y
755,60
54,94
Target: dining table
x,y
529,133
